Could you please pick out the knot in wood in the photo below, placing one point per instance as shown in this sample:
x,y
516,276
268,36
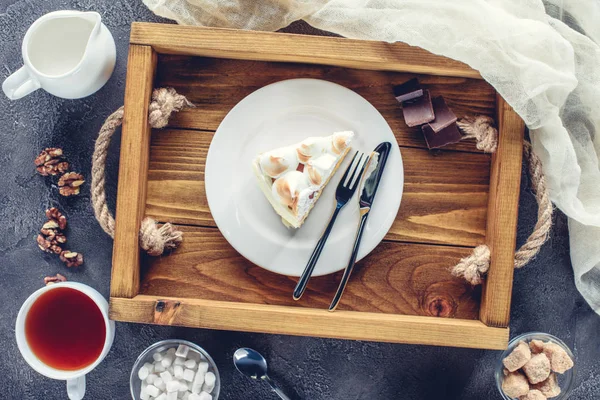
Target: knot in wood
x,y
440,306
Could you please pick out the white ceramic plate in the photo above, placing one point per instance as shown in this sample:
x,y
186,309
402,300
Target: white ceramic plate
x,y
281,114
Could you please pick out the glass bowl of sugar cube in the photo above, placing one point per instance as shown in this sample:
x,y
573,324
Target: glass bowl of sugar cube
x,y
536,366
175,370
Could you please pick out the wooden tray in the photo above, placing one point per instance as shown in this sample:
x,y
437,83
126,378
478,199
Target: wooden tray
x,y
453,199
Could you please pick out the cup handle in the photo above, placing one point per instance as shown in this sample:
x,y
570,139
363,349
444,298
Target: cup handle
x,y
19,84
76,388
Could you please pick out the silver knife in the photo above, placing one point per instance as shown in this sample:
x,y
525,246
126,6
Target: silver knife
x,y
369,185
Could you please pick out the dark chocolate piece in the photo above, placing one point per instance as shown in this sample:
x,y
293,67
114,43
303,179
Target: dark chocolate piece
x,y
419,110
447,135
408,90
443,115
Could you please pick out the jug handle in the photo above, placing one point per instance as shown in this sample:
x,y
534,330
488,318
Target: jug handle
x,y
19,84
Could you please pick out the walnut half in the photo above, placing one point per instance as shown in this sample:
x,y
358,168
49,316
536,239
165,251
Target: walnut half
x,y
69,183
71,258
53,214
51,162
50,280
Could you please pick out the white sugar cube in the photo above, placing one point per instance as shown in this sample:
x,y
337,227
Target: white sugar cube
x,y
171,370
188,375
172,386
205,396
163,396
150,367
209,382
203,367
183,386
186,396
194,355
167,361
144,394
152,390
194,396
182,351
178,372
143,373
173,396
190,364
166,376
198,382
151,378
158,382
157,356
158,367
179,361
171,351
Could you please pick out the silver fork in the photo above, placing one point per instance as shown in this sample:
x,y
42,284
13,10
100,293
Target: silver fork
x,y
343,193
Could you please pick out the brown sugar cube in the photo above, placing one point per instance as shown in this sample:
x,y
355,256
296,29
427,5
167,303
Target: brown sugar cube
x,y
559,359
536,346
515,385
537,369
533,395
549,387
518,357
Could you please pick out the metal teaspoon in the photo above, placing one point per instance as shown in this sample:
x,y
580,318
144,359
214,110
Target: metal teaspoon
x,y
252,364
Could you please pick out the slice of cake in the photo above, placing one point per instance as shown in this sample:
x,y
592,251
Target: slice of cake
x,y
293,177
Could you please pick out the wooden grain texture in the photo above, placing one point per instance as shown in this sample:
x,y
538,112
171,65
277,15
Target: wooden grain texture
x,y
400,292
311,322
444,200
135,148
216,85
502,217
395,279
268,46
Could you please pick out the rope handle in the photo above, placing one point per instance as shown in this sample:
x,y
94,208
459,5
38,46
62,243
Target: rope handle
x,y
473,267
154,240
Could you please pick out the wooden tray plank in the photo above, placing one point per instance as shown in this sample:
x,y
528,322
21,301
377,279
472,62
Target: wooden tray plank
x,y
503,212
135,146
308,322
444,200
216,85
269,46
396,278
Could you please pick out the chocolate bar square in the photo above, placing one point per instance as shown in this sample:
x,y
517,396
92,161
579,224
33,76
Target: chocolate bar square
x,y
449,134
418,111
408,90
443,115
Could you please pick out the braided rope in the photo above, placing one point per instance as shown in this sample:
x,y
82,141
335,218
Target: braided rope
x,y
154,240
473,267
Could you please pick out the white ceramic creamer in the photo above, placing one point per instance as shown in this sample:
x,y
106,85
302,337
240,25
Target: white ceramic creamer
x,y
70,54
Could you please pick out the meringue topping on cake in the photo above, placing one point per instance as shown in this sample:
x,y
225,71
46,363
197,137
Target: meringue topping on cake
x,y
341,141
319,168
277,162
293,177
287,188
313,147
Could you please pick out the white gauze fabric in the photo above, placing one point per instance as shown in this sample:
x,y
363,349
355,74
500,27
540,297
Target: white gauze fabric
x,y
548,71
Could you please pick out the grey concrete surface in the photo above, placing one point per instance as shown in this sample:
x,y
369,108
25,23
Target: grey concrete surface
x,y
545,298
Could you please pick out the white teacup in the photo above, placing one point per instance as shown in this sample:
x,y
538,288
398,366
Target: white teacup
x,y
75,379
69,54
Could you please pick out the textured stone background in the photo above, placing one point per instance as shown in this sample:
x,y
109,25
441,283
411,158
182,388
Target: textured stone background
x,y
545,298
